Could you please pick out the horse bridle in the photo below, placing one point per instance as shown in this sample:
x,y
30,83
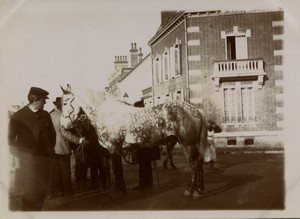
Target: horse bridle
x,y
69,116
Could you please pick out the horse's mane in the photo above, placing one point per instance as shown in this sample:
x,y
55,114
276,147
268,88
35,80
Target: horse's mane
x,y
102,107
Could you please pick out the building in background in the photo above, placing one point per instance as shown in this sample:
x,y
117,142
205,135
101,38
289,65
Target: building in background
x,y
138,79
122,70
229,64
127,82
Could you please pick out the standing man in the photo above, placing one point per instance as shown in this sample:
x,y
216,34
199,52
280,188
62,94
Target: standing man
x,y
61,166
32,139
145,155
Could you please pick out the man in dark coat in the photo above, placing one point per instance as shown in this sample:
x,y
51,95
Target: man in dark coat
x,y
32,139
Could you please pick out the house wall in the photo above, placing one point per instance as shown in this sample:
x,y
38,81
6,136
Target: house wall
x,y
203,45
261,44
138,79
176,84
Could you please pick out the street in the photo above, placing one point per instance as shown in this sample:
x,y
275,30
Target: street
x,y
239,182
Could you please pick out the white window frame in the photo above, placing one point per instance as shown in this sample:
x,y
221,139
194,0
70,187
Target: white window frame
x,y
241,42
237,110
157,69
166,65
177,59
249,111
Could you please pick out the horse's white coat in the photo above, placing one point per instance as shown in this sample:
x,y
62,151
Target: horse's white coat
x,y
117,122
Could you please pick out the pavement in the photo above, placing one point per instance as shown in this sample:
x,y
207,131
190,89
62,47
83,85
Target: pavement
x,y
239,182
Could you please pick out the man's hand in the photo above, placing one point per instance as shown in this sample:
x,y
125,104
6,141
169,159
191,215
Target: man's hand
x,y
83,140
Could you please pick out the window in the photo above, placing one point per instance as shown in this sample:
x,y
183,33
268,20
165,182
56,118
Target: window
x,y
236,43
177,58
230,105
231,141
247,104
159,101
168,98
178,95
249,141
237,47
166,66
239,102
157,70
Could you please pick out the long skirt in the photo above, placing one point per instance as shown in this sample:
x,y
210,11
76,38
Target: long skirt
x,y
210,153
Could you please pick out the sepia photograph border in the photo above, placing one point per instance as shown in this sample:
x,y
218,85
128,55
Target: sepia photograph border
x,y
291,117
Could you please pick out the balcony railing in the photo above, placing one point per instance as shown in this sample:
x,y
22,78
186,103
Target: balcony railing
x,y
238,68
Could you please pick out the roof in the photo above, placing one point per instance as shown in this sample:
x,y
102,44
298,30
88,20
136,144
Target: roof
x,y
182,14
132,69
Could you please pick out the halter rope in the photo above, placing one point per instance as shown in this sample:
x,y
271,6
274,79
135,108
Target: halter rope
x,y
79,151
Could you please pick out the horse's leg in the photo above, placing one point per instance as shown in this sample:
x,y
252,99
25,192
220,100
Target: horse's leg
x,y
165,163
189,190
192,154
118,172
199,184
173,167
196,185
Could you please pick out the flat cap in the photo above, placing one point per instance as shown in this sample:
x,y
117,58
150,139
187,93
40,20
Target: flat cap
x,y
38,92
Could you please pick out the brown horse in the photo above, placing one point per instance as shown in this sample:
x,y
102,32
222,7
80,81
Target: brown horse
x,y
118,123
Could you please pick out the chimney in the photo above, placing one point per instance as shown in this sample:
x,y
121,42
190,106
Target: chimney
x,y
140,56
134,55
166,16
120,62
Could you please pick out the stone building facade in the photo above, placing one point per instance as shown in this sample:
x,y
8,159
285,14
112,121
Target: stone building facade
x,y
230,65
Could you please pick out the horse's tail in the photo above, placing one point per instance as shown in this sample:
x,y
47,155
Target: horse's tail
x,y
202,147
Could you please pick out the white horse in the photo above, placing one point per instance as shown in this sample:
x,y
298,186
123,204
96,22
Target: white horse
x,y
118,123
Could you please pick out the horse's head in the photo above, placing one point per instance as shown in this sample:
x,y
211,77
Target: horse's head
x,y
70,108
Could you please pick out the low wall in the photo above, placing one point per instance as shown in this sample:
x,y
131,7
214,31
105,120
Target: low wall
x,y
271,140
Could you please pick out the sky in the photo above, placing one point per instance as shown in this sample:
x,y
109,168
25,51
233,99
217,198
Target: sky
x,y
52,43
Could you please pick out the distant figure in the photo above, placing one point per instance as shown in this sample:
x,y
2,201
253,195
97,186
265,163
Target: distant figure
x,y
32,138
211,156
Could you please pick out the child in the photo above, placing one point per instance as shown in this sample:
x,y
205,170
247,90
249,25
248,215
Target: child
x,y
210,154
211,144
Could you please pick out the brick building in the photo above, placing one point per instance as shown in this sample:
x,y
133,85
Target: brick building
x,y
229,64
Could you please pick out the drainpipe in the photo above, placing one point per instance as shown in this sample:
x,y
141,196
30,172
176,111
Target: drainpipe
x,y
187,61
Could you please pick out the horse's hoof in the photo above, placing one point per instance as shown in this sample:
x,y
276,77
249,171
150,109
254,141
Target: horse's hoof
x,y
187,193
196,194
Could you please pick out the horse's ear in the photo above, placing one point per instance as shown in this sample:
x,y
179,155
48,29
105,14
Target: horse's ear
x,y
63,90
68,88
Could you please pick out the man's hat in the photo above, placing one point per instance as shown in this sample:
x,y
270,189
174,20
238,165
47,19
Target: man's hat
x,y
38,92
57,101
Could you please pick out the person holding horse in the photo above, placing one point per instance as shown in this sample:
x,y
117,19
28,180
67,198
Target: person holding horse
x,y
32,139
61,167
88,153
